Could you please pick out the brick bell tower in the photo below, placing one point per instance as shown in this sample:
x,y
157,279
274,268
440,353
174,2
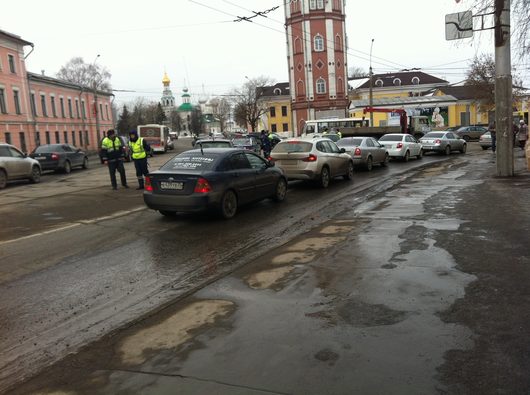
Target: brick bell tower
x,y
316,54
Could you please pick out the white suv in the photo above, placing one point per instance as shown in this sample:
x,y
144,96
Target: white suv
x,y
14,165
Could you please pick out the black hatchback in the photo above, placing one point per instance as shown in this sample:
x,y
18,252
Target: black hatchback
x,y
217,179
60,157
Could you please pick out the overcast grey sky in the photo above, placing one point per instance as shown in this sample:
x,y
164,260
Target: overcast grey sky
x,y
199,45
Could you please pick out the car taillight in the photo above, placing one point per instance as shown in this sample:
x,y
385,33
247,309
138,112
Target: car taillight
x,y
148,185
357,151
55,156
399,145
310,158
202,186
437,141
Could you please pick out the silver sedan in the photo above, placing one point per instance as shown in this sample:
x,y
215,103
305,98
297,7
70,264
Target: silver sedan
x,y
365,151
443,142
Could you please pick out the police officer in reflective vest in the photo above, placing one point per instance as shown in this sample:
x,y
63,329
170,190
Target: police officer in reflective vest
x,y
139,150
113,156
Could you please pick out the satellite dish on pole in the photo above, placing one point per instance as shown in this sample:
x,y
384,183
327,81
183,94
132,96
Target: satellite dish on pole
x,y
459,25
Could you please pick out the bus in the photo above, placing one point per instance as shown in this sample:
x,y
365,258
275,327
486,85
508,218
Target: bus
x,y
157,136
343,125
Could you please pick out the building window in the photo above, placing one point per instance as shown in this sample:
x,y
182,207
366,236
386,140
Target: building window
x,y
43,106
320,4
86,138
54,110
319,43
73,137
321,86
48,140
415,81
11,60
3,108
70,112
37,138
274,129
65,135
397,82
101,111
284,111
16,98
33,105
272,111
107,111
22,138
7,137
61,103
57,138
77,113
285,127
80,138
379,83
83,109
312,4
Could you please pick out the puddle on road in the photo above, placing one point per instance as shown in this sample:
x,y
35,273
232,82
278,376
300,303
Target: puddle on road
x,y
293,258
268,278
173,331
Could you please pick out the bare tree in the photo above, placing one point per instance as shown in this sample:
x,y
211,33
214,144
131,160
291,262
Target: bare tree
x,y
520,22
357,72
175,121
481,76
92,75
221,110
248,106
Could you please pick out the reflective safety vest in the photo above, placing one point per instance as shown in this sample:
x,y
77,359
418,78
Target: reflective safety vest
x,y
137,148
110,145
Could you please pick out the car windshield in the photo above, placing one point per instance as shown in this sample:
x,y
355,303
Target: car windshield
x,y
48,149
434,135
242,142
391,137
348,142
214,144
463,128
191,161
293,146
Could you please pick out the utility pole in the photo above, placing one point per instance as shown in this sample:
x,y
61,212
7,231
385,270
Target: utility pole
x,y
371,87
503,90
96,97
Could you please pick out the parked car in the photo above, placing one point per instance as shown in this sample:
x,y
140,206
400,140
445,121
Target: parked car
x,y
213,143
485,141
15,165
365,151
60,157
217,179
248,143
126,149
314,159
471,132
401,146
443,142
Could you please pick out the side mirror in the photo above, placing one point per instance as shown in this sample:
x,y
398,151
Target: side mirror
x,y
343,150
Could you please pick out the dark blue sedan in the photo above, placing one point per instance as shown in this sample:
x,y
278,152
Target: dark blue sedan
x,y
216,179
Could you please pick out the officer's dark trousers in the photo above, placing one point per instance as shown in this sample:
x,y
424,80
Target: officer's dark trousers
x,y
113,166
141,170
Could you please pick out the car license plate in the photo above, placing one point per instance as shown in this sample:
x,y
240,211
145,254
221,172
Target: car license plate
x,y
171,185
41,158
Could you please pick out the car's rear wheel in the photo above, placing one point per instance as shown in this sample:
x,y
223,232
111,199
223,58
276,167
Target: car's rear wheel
x,y
385,162
35,175
167,213
67,167
447,150
464,149
3,179
85,163
466,138
485,148
324,177
406,157
281,190
228,204
369,163
349,175
420,155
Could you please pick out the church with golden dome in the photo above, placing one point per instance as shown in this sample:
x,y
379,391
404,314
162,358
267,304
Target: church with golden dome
x,y
168,100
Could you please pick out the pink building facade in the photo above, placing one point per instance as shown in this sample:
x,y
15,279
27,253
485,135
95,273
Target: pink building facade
x,y
36,109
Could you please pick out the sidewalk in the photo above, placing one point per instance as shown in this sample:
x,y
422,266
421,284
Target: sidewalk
x,y
421,290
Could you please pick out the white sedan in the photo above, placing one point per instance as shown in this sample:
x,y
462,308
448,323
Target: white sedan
x,y
402,146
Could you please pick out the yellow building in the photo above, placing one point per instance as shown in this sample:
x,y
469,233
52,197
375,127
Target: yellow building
x,y
277,100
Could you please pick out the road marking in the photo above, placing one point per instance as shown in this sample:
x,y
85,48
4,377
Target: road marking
x,y
78,223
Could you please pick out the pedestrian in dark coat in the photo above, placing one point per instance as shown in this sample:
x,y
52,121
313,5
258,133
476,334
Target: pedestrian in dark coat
x,y
113,156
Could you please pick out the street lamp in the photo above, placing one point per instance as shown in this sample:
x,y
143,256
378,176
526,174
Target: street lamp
x,y
371,87
95,95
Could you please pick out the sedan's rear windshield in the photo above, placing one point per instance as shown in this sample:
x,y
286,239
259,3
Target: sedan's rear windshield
x,y
47,149
390,137
434,135
195,161
213,144
349,142
242,142
293,146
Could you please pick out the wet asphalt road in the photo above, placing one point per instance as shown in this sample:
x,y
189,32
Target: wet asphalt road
x,y
77,266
